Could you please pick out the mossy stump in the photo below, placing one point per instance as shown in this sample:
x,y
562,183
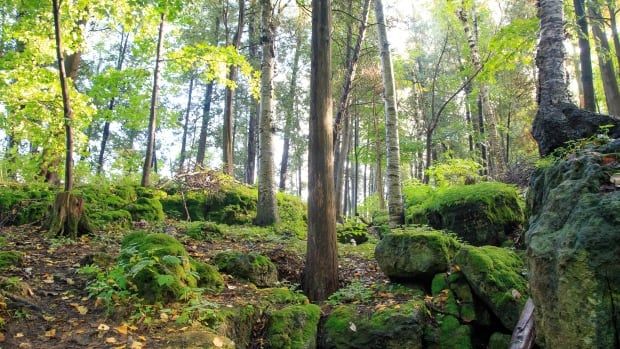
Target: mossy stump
x,y
68,217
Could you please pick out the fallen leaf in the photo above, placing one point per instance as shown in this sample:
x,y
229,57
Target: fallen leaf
x,y
163,317
217,341
80,308
516,294
136,345
48,278
231,287
19,335
110,340
69,281
122,329
103,327
48,318
51,333
2,337
352,327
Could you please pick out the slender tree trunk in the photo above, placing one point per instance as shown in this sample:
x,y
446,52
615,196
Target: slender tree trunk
x,y
206,110
608,75
496,163
150,144
321,270
611,6
395,198
356,143
228,99
589,100
185,124
508,135
254,42
470,124
341,166
267,208
290,114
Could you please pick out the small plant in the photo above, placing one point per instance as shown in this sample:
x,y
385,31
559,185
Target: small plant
x,y
355,292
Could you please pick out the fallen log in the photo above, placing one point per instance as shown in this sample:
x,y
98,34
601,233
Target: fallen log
x,y
524,333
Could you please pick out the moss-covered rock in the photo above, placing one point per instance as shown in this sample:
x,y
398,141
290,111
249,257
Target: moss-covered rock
x,y
453,334
499,341
160,268
415,253
574,250
237,323
201,230
22,204
496,276
197,339
253,267
481,214
452,295
293,326
352,230
282,296
10,258
148,209
121,218
399,326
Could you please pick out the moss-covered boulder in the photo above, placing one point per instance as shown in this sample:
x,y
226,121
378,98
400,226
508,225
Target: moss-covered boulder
x,y
496,276
253,267
280,296
22,204
237,323
453,296
352,230
148,209
481,214
499,341
197,339
415,253
449,333
201,230
573,250
398,326
160,268
293,326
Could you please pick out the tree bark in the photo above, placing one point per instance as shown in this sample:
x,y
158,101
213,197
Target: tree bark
x,y
150,144
267,208
585,58
394,194
611,6
321,269
290,112
341,166
228,135
185,124
254,41
608,75
496,162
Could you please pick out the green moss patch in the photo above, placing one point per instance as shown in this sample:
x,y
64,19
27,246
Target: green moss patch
x,y
22,204
253,267
352,230
293,326
415,253
10,258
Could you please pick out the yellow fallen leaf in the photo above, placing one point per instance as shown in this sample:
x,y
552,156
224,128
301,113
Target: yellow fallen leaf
x,y
110,340
122,329
103,327
136,345
80,308
48,278
48,318
19,335
218,342
163,317
2,337
51,333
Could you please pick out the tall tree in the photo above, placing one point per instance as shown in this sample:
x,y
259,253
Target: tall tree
x,y
150,144
228,99
254,42
608,75
267,206
394,194
321,270
188,110
585,59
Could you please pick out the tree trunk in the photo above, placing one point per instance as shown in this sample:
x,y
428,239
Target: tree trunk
x,y
290,112
356,143
341,165
227,139
394,194
496,163
254,41
67,216
611,6
608,75
150,144
585,59
321,269
266,208
186,122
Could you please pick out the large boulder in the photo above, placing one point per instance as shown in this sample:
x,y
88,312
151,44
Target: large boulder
x,y
495,275
573,249
481,214
253,267
398,326
294,326
415,253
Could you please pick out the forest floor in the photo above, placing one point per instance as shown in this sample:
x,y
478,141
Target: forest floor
x,y
48,306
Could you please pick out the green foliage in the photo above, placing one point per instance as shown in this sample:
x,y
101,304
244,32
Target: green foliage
x,y
282,296
21,204
454,171
252,266
355,292
352,230
202,231
147,209
10,258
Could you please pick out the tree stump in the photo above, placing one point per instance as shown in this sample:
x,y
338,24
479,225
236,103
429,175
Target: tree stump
x,y
67,216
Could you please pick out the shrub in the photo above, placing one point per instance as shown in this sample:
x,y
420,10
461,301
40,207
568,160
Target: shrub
x,y
352,230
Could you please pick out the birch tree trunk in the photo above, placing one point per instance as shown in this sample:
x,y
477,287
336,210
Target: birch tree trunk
x,y
394,194
267,209
228,134
321,270
150,144
608,75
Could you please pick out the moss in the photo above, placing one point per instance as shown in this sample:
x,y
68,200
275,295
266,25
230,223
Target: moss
x,y
10,258
150,193
294,326
415,252
453,334
499,341
293,215
120,218
352,230
495,274
483,213
253,267
148,209
208,276
22,204
201,230
282,296
398,326
237,323
199,338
